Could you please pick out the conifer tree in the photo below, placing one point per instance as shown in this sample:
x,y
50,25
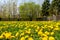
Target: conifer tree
x,y
45,8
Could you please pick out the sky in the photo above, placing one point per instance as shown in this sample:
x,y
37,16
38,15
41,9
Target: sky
x,y
21,1
39,1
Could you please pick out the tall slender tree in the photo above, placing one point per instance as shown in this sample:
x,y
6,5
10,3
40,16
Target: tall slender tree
x,y
14,8
45,7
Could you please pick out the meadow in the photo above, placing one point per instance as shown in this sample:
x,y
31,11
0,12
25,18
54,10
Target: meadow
x,y
29,30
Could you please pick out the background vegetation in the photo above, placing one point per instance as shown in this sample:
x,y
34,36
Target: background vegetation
x,y
29,10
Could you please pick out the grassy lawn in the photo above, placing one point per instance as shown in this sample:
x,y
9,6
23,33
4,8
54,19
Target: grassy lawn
x,y
29,30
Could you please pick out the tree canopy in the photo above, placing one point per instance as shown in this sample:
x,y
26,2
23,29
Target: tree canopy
x,y
55,7
30,10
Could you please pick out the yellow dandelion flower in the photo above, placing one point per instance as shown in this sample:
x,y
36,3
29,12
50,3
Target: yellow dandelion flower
x,y
22,34
22,38
44,35
58,24
32,25
37,27
51,38
52,33
36,30
28,31
45,38
40,32
7,35
1,36
47,33
2,33
12,36
56,28
50,27
26,36
30,38
17,34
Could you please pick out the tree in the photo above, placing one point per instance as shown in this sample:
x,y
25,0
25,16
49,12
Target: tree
x,y
12,7
0,10
45,8
29,10
55,7
8,9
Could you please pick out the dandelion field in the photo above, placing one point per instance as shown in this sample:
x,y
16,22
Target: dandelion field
x,y
29,30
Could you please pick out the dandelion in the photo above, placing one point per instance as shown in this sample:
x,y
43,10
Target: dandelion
x,y
52,33
50,27
37,27
44,35
47,33
26,36
1,37
51,38
36,30
30,38
17,34
28,31
56,28
45,38
40,32
22,34
22,38
7,35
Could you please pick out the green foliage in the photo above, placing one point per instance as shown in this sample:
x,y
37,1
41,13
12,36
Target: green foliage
x,y
45,8
29,10
55,7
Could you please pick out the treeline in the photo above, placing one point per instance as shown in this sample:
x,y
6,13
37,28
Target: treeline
x,y
29,10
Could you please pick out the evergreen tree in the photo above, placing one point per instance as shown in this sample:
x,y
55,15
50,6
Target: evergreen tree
x,y
45,8
55,7
58,6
